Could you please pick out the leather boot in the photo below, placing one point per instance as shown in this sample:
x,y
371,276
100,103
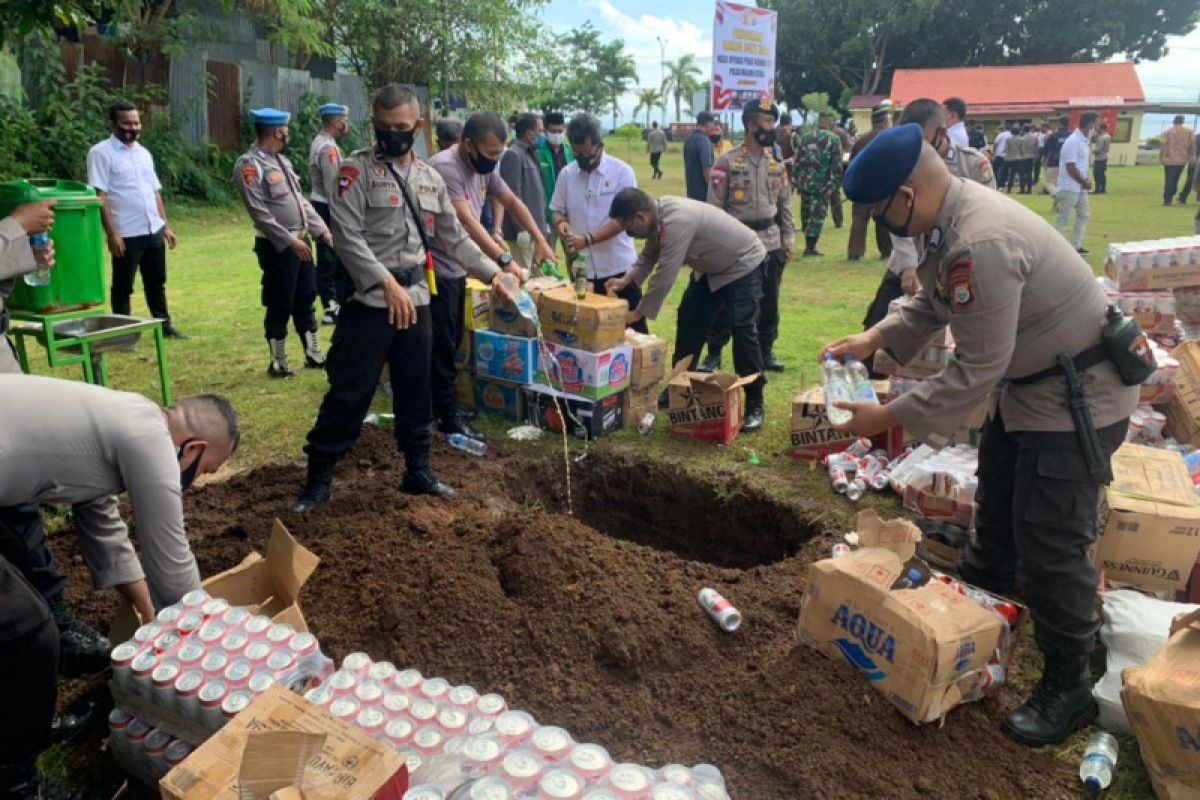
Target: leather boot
x,y
1060,704
752,422
810,246
419,477
771,363
313,357
712,363
72,721
84,650
317,487
278,367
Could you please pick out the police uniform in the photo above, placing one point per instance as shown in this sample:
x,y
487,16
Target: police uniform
x,y
818,174
324,157
377,232
860,214
964,162
754,189
1014,295
16,259
271,192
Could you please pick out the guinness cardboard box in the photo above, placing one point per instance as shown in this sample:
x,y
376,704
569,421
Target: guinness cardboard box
x,y
1150,520
1162,700
706,405
594,323
503,315
649,364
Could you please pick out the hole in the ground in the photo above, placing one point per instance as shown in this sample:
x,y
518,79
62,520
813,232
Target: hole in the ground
x,y
719,521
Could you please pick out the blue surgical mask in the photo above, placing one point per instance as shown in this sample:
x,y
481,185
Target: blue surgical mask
x,y
540,141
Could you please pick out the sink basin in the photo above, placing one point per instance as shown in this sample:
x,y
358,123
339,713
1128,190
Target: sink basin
x,y
107,326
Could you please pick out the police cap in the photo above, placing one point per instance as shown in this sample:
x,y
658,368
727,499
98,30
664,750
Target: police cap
x,y
763,106
884,164
333,110
269,116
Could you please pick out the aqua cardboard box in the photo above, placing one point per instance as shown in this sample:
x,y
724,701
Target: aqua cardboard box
x,y
505,358
578,372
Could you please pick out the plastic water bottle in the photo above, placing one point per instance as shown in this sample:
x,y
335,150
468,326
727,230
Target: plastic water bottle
x,y
837,390
860,381
1099,761
465,443
39,242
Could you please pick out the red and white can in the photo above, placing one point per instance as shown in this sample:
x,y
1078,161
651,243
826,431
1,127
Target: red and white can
x,y
177,753
163,680
671,791
235,703
257,626
551,743
382,672
139,672
368,692
357,663
155,748
590,761
481,754
428,741
490,705
303,644
600,793
396,704
676,773
489,789
280,633
281,662
237,673
453,721
211,634
257,652
463,696
187,687
148,632
235,617
194,599
121,658
319,695
259,682
214,663
190,655
371,721
630,781
399,732
169,615
409,681
166,642
480,725
435,688
215,608
235,642
212,694
424,791
344,708
720,609
520,770
514,727
189,623
423,712
560,784
710,790
342,683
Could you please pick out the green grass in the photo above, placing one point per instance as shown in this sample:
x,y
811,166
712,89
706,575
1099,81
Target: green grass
x,y
214,296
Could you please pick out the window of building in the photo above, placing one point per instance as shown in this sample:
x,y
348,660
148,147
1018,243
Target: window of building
x,y
1124,131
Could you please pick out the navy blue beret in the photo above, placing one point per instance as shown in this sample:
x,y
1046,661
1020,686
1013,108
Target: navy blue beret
x,y
884,164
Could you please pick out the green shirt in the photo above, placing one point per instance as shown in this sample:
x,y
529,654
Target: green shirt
x,y
549,175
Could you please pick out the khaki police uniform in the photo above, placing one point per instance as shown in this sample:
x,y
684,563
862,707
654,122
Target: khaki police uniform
x,y
756,191
271,192
1015,294
378,236
16,259
324,158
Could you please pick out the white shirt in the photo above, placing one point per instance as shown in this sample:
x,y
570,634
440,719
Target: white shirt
x,y
126,176
1075,150
1002,143
958,134
584,199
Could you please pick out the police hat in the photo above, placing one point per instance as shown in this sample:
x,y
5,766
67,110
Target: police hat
x,y
884,164
269,116
763,106
333,110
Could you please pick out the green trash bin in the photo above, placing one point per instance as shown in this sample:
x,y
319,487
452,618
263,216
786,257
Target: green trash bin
x,y
77,280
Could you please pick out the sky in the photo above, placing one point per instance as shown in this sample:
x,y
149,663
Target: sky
x,y
686,27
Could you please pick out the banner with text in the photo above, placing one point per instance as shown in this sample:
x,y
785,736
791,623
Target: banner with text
x,y
743,64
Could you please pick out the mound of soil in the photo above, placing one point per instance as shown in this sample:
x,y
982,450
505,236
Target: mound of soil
x,y
591,622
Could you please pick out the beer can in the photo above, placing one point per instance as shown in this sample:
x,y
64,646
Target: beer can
x,y
413,760
166,642
428,741
177,753
601,794
235,703
280,662
480,725
520,770
319,695
590,761
235,617
259,682
257,626
162,679
488,789
368,692
409,680
398,732
194,599
720,609
481,754
395,703
237,673
344,708
303,644
371,721
213,664
169,615
155,748
551,743
382,672
671,791
423,711
709,790
280,634
434,688
630,781
463,696
211,634
490,705
560,784
215,608
840,550
452,721
139,671
235,642
343,683
209,699
424,791
121,657
514,727
189,623
676,773
148,633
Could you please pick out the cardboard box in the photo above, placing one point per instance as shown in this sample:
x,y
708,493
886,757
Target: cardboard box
x,y
594,323
578,372
1150,518
1162,699
499,399
1140,280
503,315
640,401
1183,408
282,746
706,405
475,305
586,419
269,586
813,437
926,649
926,364
505,358
649,363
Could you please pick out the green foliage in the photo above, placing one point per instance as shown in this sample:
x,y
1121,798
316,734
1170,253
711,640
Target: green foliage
x,y
19,18
682,80
630,130
582,73
304,128
648,99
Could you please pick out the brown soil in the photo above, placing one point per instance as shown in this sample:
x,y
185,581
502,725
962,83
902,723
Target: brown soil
x,y
595,626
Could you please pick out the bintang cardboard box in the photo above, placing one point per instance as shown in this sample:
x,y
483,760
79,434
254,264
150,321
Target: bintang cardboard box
x,y
813,436
706,405
283,747
1183,409
926,649
594,323
503,315
1151,520
649,365
1162,699
475,305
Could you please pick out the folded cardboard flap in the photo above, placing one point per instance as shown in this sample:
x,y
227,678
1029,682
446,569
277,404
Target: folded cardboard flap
x,y
1152,481
900,536
1184,621
273,761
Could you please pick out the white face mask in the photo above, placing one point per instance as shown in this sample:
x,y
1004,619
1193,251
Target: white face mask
x,y
555,139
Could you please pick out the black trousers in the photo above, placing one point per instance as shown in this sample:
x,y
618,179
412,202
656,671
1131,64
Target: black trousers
x,y
29,662
288,290
1036,519
328,272
1000,167
768,314
362,343
1014,168
1100,176
1026,176
1037,170
1171,175
23,544
654,159
890,288
860,218
740,299
446,310
149,254
631,294
1188,183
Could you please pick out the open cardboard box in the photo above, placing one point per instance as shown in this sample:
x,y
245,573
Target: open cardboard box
x,y
706,405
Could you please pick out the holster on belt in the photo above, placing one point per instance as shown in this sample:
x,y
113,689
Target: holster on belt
x,y
1081,415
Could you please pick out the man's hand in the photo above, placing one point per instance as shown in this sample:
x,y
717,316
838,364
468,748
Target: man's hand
x,y
498,238
138,595
1087,184
860,345
402,313
35,217
632,318
327,238
868,420
546,253
787,254
116,246
576,243
614,285
517,271
564,230
169,235
301,249
909,282
503,287
45,256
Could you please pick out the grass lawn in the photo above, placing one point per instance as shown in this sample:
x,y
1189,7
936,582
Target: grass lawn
x,y
214,297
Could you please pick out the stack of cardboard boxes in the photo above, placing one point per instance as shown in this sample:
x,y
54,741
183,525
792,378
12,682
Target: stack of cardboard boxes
x,y
648,367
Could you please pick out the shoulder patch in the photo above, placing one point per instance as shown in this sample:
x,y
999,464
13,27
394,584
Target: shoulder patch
x,y
985,171
332,154
960,279
249,173
347,175
719,174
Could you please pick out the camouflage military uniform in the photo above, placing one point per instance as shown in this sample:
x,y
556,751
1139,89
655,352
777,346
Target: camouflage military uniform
x,y
818,173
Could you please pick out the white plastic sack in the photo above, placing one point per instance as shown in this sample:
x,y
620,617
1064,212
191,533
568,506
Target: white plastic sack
x,y
1134,627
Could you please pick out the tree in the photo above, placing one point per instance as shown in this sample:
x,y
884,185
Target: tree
x,y
20,17
647,99
682,80
617,71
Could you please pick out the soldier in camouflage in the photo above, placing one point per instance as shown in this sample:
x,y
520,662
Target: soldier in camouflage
x,y
818,174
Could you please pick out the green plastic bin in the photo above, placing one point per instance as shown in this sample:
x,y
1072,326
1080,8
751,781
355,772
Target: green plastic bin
x,y
77,280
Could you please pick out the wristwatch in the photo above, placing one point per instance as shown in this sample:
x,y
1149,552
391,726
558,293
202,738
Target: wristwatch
x,y
504,260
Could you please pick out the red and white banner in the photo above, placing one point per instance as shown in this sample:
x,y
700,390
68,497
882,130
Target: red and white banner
x,y
743,64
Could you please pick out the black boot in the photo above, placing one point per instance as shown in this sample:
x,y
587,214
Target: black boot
x,y
810,248
712,363
771,363
72,721
459,424
84,650
317,487
419,477
1061,703
752,422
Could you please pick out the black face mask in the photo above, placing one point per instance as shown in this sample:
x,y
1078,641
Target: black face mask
x,y
128,135
765,138
587,163
938,138
284,141
715,138
902,230
187,476
482,164
394,144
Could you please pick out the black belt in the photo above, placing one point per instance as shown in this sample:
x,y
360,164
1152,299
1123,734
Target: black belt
x,y
5,320
408,277
1084,361
760,225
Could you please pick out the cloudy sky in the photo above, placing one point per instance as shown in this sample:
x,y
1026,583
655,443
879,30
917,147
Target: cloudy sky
x,y
686,27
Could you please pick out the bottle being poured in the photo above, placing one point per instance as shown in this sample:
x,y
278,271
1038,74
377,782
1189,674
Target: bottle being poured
x,y
837,390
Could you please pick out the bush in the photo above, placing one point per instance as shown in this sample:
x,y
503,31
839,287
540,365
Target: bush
x,y
630,130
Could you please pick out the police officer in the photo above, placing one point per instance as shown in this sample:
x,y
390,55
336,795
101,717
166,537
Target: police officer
x,y
271,193
17,258
818,176
728,264
1015,295
387,209
900,278
751,185
324,157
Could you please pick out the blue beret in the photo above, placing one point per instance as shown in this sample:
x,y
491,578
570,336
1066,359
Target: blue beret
x,y
269,116
884,164
333,110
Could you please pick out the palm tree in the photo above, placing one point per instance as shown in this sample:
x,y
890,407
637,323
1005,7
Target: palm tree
x,y
683,78
647,99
